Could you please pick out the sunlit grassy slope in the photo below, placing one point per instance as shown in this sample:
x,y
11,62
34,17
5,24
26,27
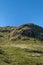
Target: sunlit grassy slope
x,y
17,49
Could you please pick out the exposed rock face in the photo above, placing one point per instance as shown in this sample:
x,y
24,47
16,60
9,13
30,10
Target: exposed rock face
x,y
27,32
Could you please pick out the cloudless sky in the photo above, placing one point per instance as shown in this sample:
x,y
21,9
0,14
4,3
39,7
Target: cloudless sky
x,y
17,12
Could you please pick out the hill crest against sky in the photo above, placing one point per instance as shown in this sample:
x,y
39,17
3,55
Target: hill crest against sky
x,y
21,25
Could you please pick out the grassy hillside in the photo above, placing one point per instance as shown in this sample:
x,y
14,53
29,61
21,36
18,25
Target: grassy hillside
x,y
21,45
25,30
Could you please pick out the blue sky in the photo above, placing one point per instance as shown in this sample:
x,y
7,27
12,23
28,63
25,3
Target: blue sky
x,y
17,12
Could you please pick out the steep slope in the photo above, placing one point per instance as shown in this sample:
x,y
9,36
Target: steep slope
x,y
21,32
28,30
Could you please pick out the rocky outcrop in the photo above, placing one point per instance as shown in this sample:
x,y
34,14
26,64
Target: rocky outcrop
x,y
27,32
24,32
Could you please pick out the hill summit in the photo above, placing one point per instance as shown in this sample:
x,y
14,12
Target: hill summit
x,y
21,32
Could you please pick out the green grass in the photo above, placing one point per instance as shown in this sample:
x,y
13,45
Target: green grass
x,y
25,51
3,63
21,56
18,56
